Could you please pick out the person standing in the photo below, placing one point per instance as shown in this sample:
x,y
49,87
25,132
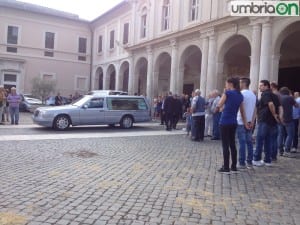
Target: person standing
x,y
169,111
232,100
198,109
287,102
244,134
267,119
296,117
14,100
58,99
177,111
216,115
2,103
209,116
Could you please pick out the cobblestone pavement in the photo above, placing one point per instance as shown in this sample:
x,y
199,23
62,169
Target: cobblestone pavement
x,y
157,179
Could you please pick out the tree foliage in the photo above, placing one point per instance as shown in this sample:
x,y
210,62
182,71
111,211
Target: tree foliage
x,y
42,88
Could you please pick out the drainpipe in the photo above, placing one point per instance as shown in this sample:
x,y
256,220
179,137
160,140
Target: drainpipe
x,y
91,63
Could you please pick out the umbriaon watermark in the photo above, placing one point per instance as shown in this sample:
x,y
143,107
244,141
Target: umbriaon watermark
x,y
264,8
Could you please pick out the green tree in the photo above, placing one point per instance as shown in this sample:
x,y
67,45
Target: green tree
x,y
42,88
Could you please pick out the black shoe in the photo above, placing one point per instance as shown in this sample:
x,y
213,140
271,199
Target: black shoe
x,y
225,171
234,170
214,138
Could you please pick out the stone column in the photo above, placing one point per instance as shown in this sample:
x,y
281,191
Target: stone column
x,y
149,72
204,60
174,82
255,56
211,63
105,78
118,81
275,68
131,75
264,70
133,20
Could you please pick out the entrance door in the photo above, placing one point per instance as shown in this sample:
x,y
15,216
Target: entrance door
x,y
188,89
10,80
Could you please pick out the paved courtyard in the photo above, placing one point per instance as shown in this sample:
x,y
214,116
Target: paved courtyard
x,y
160,178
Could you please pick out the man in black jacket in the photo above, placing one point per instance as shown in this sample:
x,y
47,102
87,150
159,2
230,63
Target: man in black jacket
x,y
169,110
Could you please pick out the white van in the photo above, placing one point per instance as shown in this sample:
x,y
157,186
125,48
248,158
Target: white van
x,y
95,110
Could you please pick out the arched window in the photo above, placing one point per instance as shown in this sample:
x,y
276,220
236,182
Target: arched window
x,y
166,15
144,23
194,10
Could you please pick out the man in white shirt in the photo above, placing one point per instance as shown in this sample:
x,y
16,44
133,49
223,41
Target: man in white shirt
x,y
245,135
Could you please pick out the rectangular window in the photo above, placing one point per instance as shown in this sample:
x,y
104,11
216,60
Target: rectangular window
x,y
82,45
82,48
112,39
48,77
100,40
49,40
126,33
12,38
194,10
166,15
143,26
126,104
10,77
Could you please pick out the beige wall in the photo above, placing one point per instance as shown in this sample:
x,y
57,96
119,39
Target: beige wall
x,y
65,65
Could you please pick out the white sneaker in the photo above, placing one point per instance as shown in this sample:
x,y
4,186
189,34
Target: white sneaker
x,y
294,150
268,164
257,163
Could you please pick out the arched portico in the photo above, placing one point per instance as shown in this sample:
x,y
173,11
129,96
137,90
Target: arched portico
x,y
190,68
140,76
123,77
234,59
286,58
162,74
111,77
98,82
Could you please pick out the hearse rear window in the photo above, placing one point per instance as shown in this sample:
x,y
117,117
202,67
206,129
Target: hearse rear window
x,y
126,104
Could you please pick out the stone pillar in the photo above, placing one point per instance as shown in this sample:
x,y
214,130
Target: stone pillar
x,y
255,56
275,68
105,78
149,72
264,70
131,75
211,63
133,26
204,60
174,82
118,80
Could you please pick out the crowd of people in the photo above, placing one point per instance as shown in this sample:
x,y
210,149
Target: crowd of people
x,y
270,121
9,105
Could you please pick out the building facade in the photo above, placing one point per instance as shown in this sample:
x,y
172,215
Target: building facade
x,y
152,46
40,42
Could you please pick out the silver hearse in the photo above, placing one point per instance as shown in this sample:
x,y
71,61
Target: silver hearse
x,y
95,110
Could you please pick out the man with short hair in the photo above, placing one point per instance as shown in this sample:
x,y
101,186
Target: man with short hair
x,y
245,134
267,118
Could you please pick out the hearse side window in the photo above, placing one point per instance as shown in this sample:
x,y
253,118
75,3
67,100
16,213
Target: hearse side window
x,y
126,104
96,103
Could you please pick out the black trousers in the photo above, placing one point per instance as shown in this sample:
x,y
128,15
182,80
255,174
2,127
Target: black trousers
x,y
228,142
169,121
199,127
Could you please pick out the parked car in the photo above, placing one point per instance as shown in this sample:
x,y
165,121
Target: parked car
x,y
29,103
95,110
107,92
51,100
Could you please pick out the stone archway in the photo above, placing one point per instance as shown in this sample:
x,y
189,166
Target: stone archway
x,y
98,82
140,76
124,77
289,61
111,77
235,57
162,75
190,67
